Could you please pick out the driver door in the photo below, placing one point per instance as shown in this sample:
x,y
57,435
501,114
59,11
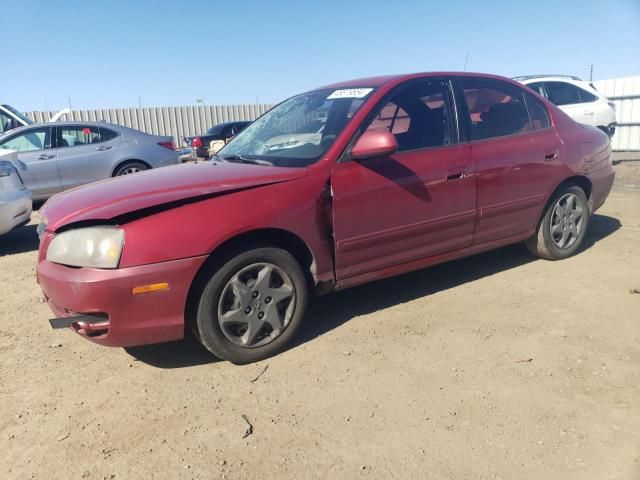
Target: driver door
x,y
417,203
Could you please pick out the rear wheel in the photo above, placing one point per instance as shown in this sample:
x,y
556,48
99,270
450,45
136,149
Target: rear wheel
x,y
130,167
563,226
252,305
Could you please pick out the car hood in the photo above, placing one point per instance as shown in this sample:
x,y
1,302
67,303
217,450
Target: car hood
x,y
165,186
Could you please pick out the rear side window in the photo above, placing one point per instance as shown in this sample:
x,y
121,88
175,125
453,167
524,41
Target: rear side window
x,y
496,109
587,97
537,112
562,93
106,134
75,136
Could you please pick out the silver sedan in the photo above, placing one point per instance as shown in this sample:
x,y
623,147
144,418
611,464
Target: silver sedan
x,y
53,157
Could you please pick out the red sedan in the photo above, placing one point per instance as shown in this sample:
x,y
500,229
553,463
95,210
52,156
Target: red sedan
x,y
398,173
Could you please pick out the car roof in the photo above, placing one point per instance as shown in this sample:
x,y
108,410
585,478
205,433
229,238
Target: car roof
x,y
223,124
379,81
526,78
112,126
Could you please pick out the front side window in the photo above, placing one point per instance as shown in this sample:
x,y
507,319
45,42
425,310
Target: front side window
x,y
562,93
30,141
418,115
299,131
74,136
496,109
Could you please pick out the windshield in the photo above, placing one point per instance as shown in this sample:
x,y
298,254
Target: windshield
x,y
21,116
299,131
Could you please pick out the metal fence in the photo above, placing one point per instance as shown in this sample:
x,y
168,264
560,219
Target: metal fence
x,y
625,93
179,122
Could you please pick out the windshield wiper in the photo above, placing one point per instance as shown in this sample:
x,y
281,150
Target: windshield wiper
x,y
252,161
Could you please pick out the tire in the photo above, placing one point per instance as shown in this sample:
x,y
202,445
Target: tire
x,y
562,228
262,293
128,168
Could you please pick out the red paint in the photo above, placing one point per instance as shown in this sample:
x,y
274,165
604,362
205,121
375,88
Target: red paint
x,y
389,214
374,144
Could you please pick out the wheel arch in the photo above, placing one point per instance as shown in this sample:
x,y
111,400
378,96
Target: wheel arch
x,y
274,237
578,180
128,160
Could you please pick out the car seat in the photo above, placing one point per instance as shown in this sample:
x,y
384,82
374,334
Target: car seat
x,y
502,119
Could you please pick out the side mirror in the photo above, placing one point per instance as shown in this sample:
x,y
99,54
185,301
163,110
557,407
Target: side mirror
x,y
375,143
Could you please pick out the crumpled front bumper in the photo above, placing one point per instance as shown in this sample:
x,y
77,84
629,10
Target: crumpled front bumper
x,y
129,319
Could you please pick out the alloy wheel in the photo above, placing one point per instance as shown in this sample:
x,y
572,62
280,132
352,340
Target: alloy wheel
x,y
256,305
567,221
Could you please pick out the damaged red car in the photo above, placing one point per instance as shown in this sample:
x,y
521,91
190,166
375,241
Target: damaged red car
x,y
335,187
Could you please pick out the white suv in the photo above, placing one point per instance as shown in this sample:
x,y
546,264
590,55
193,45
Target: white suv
x,y
579,99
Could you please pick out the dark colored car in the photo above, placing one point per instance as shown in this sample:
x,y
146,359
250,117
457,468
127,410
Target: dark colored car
x,y
406,172
222,131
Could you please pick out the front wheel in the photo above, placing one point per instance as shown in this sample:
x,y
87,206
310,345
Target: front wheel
x,y
563,226
252,305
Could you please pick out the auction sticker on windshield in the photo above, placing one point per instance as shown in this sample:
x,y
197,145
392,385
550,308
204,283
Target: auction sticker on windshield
x,y
350,93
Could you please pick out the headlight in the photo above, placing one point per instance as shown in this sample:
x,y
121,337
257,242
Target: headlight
x,y
97,247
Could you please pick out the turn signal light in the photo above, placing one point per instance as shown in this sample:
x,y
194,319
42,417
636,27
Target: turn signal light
x,y
154,287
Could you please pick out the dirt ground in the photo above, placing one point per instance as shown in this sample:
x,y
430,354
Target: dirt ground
x,y
495,366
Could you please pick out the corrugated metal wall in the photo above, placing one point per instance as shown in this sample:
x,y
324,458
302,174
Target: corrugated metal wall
x,y
178,122
625,93
186,121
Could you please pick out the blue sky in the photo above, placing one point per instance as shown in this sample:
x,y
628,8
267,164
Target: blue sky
x,y
109,53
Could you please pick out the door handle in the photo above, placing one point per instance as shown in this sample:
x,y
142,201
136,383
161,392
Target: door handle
x,y
456,174
103,148
45,156
551,156
588,112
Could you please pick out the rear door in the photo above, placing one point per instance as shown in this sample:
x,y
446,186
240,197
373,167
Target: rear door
x,y
517,155
86,153
418,202
37,160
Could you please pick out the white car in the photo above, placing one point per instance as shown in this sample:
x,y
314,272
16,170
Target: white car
x,y
11,118
577,98
15,199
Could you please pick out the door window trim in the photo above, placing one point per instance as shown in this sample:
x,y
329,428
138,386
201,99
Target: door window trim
x,y
467,116
61,127
48,146
450,103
